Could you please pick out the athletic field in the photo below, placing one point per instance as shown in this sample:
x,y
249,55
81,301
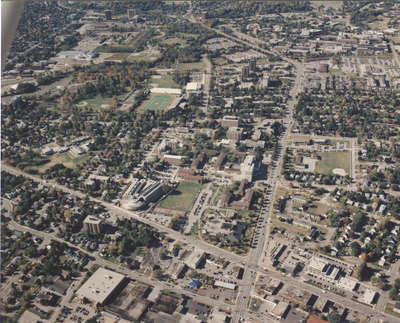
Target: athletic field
x,y
156,103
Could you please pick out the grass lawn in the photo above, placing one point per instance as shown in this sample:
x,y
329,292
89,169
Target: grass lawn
x,y
118,56
327,4
166,81
183,197
289,227
95,103
389,309
174,40
191,66
331,160
148,55
156,103
65,159
320,209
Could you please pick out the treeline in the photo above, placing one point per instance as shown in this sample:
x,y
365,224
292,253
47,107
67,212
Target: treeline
x,y
240,9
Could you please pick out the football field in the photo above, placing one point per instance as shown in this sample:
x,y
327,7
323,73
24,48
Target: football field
x,y
156,103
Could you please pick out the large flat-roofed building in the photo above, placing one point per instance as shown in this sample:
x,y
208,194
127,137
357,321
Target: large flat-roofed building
x,y
195,258
92,224
193,87
230,121
78,54
101,286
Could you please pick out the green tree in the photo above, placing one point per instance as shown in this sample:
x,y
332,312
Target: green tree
x,y
363,272
355,249
334,317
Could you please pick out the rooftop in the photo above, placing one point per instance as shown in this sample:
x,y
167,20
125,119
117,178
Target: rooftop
x,y
100,285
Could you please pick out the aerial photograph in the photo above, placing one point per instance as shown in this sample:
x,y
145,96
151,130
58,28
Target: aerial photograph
x,y
200,161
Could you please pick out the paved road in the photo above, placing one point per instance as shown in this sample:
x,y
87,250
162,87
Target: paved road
x,y
129,214
129,273
207,82
256,254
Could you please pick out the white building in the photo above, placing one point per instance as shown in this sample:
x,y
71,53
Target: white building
x,y
193,87
100,286
219,283
249,166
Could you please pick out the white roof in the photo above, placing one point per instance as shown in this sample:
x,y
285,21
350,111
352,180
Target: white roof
x,y
193,86
368,296
219,283
166,90
347,283
100,285
92,219
194,258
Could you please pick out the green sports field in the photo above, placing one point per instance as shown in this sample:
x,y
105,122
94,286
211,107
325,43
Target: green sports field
x,y
156,103
332,160
183,197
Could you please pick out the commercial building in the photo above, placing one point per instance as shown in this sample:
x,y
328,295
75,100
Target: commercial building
x,y
369,296
193,87
280,310
92,224
101,287
195,258
324,268
219,283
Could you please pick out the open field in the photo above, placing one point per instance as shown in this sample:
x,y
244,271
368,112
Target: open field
x,y
332,160
174,40
320,208
191,66
147,55
97,103
157,102
183,197
65,159
117,57
165,81
289,227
